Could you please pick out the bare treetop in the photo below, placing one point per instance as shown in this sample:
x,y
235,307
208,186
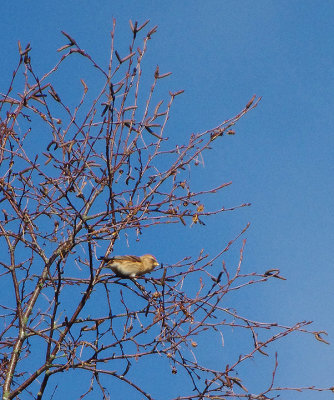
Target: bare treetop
x,y
75,180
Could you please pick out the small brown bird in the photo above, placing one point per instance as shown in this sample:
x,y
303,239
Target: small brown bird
x,y
130,266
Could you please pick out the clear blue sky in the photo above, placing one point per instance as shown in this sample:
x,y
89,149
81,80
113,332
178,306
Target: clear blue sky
x,y
280,160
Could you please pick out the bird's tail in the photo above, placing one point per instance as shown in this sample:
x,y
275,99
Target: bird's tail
x,y
104,258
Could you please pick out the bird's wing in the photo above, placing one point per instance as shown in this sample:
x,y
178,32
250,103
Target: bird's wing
x,y
127,258
121,258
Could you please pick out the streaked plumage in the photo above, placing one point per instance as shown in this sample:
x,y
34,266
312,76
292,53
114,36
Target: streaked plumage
x,y
130,266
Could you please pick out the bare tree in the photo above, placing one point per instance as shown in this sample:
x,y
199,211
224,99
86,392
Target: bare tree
x,y
76,179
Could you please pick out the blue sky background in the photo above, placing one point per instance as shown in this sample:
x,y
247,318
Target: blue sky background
x,y
280,160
